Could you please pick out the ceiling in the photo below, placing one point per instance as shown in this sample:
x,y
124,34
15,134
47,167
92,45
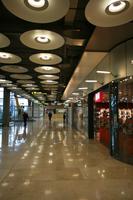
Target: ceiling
x,y
109,32
69,30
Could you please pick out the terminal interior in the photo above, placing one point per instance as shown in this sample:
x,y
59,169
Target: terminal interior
x,y
67,65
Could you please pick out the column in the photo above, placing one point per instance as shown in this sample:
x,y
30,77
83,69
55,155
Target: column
x,y
114,118
6,107
90,116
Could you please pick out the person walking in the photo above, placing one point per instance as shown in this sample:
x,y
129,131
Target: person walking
x,y
50,116
25,118
64,117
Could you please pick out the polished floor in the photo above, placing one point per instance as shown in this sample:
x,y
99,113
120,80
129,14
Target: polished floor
x,y
50,161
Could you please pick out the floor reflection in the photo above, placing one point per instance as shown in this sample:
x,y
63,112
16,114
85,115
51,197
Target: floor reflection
x,y
16,134
50,161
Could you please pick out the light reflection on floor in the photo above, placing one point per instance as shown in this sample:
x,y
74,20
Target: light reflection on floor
x,y
49,161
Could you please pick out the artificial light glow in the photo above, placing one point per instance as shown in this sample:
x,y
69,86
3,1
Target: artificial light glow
x,y
131,62
103,72
91,81
36,3
45,57
2,80
42,39
11,175
5,55
29,85
75,93
47,68
48,75
83,88
4,184
117,7
49,81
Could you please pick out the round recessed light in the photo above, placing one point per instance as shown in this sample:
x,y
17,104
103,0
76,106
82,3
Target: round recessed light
x,y
42,39
5,55
109,13
48,76
21,76
25,81
45,57
117,7
49,82
47,70
36,4
38,11
14,69
2,80
32,88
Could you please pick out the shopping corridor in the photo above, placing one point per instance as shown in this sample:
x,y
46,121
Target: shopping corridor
x,y
50,161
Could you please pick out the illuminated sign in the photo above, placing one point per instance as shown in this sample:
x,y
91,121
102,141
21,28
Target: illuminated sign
x,y
98,97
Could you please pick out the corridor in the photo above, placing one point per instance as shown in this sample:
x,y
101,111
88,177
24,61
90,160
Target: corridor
x,y
50,161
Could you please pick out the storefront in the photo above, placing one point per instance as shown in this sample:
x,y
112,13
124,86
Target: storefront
x,y
113,118
101,116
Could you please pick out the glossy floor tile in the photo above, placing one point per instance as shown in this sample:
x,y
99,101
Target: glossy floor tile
x,y
54,162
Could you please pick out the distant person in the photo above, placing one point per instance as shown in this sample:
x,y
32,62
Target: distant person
x,y
50,116
64,117
25,118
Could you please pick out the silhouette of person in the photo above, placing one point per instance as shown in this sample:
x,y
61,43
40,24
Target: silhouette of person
x,y
50,116
25,118
64,117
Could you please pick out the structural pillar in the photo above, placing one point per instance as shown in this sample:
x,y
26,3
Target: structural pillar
x,y
6,108
114,124
90,116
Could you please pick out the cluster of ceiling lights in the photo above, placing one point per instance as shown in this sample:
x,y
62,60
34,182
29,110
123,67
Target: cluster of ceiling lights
x,y
36,11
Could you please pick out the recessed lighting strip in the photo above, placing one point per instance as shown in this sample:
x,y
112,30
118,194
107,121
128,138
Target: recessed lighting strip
x,y
103,72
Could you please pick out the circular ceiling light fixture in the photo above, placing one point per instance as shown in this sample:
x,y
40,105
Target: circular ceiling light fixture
x,y
14,69
4,41
38,11
21,76
48,76
25,81
47,70
42,39
5,55
7,58
36,4
45,57
49,82
109,13
117,7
